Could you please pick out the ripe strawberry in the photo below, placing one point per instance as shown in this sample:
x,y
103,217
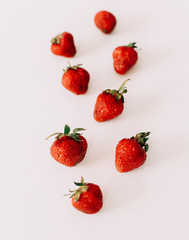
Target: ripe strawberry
x,y
109,104
105,21
87,198
131,153
63,44
124,58
76,79
69,148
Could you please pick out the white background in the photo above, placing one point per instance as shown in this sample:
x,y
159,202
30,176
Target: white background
x,y
148,203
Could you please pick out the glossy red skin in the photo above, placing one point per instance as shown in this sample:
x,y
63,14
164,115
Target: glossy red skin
x,y
105,21
66,47
124,58
90,201
129,155
68,151
107,107
76,81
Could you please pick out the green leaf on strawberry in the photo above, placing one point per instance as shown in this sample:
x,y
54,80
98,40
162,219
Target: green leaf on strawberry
x,y
142,138
66,129
75,135
82,188
118,93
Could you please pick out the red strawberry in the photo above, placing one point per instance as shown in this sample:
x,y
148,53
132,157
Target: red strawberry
x,y
124,58
109,104
105,21
131,153
76,79
69,148
63,44
87,198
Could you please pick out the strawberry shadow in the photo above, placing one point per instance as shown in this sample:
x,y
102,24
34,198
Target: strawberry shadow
x,y
154,55
174,150
130,24
123,195
142,105
98,152
95,43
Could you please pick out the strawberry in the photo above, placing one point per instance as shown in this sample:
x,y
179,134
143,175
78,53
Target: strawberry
x,y
131,153
109,104
87,198
105,21
69,148
63,45
75,79
124,58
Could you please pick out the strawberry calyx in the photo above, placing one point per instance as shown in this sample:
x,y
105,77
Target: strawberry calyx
x,y
142,138
77,193
118,93
132,45
75,135
56,40
71,67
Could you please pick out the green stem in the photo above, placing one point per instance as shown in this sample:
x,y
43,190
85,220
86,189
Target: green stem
x,y
132,45
53,135
71,67
122,85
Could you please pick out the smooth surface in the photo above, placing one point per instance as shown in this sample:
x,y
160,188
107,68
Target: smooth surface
x,y
148,203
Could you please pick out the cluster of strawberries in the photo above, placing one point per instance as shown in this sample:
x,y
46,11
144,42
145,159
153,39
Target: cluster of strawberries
x,y
70,148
